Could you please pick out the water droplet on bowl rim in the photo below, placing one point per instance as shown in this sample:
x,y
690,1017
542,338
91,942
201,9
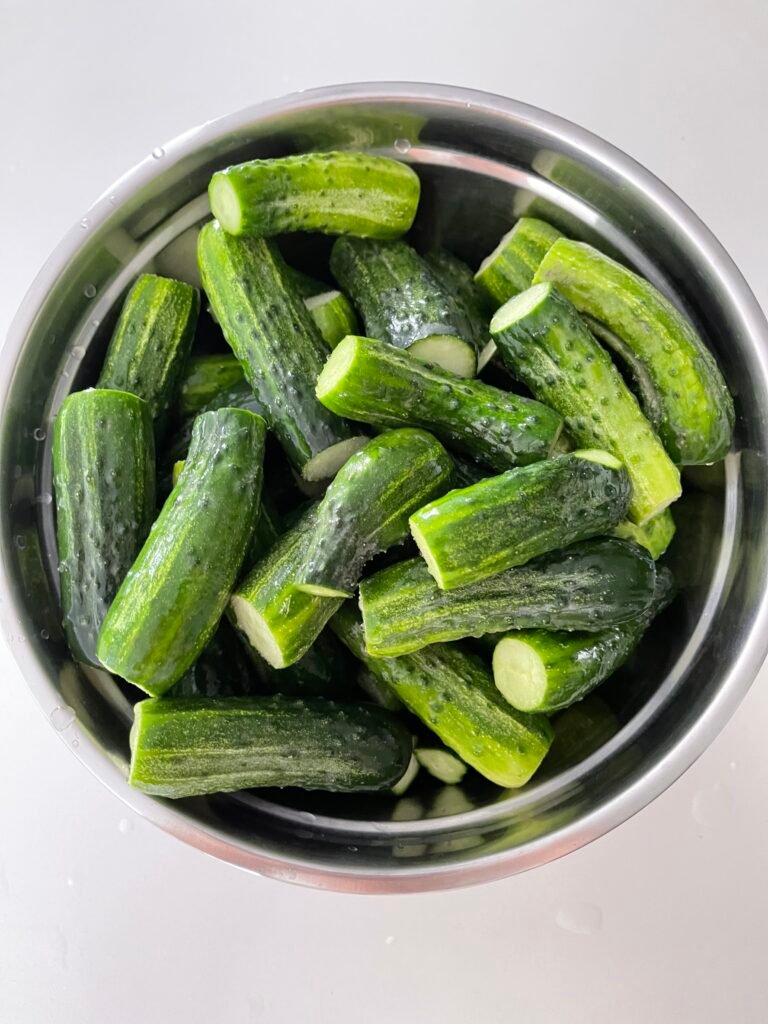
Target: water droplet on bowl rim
x,y
158,152
62,717
402,145
39,434
84,223
89,291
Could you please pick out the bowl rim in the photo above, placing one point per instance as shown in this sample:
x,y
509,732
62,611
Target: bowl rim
x,y
649,783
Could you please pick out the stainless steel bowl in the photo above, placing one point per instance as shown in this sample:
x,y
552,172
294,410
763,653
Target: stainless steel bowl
x,y
483,160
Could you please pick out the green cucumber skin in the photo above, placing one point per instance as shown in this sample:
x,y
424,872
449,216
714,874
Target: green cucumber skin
x,y
697,413
294,618
380,385
510,270
170,603
224,669
467,472
205,378
452,692
148,351
335,193
457,278
503,521
396,292
655,535
189,746
580,730
334,316
326,670
589,586
366,508
557,358
576,663
104,483
273,336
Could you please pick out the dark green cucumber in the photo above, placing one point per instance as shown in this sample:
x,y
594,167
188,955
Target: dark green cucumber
x,y
457,278
545,671
373,382
187,746
466,471
452,692
271,332
326,670
170,603
224,669
545,343
509,269
580,730
655,535
279,621
305,284
697,412
334,316
104,482
366,507
205,378
151,343
402,302
478,531
335,193
589,586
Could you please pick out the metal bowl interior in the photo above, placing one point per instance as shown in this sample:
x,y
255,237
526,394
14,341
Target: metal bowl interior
x,y
483,160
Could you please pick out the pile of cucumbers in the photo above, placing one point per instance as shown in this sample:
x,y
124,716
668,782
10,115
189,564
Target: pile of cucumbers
x,y
426,568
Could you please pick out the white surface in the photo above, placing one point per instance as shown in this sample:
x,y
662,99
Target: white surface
x,y
103,918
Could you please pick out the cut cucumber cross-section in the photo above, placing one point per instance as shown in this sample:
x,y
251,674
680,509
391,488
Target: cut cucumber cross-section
x,y
334,316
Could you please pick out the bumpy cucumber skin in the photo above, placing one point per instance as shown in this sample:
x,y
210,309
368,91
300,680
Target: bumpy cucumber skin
x,y
399,297
697,413
383,386
335,318
336,193
224,669
510,269
577,663
457,278
326,670
294,618
148,351
204,379
271,332
557,358
478,531
589,586
655,536
452,692
104,483
366,507
170,603
188,746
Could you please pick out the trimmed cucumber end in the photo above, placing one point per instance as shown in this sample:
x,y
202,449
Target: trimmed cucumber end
x,y
329,462
225,204
599,456
486,355
337,365
407,777
318,590
313,301
257,632
518,307
520,674
446,351
424,550
441,764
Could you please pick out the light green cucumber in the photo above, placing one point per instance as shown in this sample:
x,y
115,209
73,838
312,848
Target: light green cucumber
x,y
170,603
333,313
271,332
373,382
696,408
655,536
502,521
204,379
509,269
337,193
589,586
546,345
441,764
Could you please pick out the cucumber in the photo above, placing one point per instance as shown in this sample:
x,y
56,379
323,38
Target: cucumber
x,y
104,482
544,342
305,284
457,278
509,269
279,621
371,381
273,335
403,303
479,531
152,340
580,730
376,689
466,471
366,507
452,692
334,316
589,586
697,415
441,764
224,669
404,784
170,603
177,471
326,670
188,746
545,671
204,379
655,535
334,193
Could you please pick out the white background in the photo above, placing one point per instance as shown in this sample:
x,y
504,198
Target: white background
x,y
105,919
